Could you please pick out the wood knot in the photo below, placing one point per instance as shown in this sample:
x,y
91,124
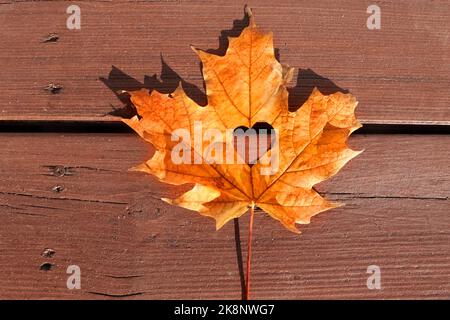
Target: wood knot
x,y
54,88
46,266
58,189
48,253
59,171
52,37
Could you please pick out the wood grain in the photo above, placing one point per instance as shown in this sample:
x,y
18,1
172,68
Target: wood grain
x,y
400,73
72,193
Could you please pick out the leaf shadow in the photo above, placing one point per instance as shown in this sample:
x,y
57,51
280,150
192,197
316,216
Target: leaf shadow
x,y
307,80
118,81
240,262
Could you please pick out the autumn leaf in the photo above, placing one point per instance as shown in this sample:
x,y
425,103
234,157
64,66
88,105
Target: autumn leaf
x,y
244,87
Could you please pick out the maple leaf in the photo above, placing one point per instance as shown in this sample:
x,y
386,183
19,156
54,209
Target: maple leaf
x,y
244,87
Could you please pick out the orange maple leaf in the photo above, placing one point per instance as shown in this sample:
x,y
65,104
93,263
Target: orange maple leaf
x,y
244,87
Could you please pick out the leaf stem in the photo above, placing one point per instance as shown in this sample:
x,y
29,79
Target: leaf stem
x,y
249,253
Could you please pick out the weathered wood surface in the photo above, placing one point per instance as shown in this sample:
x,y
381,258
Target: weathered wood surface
x,y
72,193
400,73
130,244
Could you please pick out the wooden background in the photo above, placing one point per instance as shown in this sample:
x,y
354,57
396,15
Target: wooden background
x,y
64,183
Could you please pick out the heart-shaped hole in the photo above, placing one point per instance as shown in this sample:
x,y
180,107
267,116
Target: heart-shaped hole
x,y
251,144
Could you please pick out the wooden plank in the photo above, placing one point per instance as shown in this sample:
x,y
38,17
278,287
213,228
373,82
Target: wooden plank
x,y
129,244
400,73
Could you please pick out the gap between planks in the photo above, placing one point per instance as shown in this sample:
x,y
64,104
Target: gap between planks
x,y
115,125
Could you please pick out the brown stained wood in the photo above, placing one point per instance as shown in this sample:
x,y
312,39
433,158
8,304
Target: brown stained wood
x,y
400,73
129,244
